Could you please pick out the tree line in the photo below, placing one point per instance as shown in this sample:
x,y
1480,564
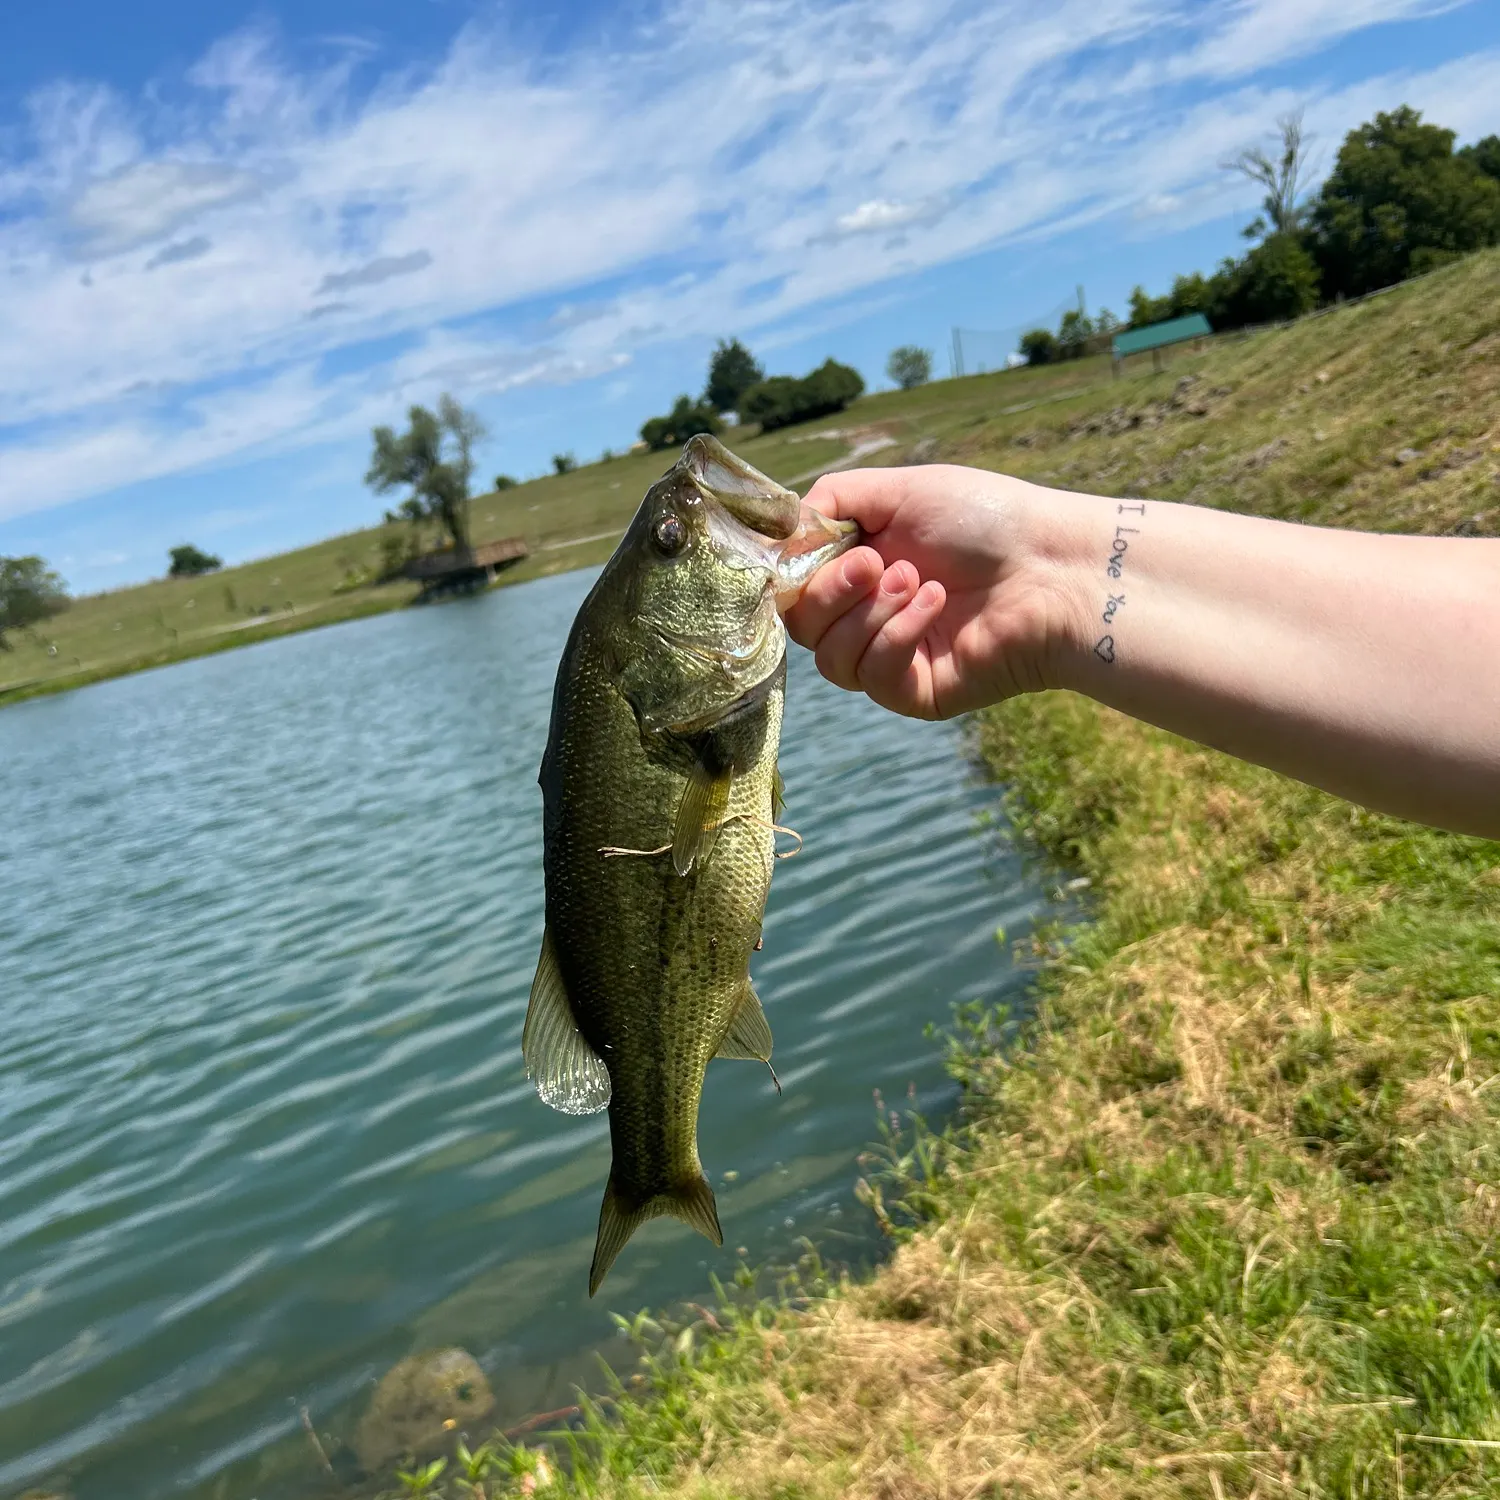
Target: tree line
x,y
738,383
1399,201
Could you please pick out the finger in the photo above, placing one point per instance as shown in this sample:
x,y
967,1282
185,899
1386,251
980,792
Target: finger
x,y
831,592
869,496
847,638
890,670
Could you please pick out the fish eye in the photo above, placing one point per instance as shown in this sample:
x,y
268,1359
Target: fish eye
x,y
670,535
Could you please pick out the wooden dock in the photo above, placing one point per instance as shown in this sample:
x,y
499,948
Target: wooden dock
x,y
461,570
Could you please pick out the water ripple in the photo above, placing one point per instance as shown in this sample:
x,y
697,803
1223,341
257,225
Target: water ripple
x,y
264,1127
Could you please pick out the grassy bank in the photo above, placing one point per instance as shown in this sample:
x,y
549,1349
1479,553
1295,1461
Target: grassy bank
x,y
568,521
1224,1220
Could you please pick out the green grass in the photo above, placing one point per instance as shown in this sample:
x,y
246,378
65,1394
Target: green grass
x,y
1223,1220
568,521
1305,422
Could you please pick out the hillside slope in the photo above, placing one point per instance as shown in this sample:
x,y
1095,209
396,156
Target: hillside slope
x,y
1225,1220
568,521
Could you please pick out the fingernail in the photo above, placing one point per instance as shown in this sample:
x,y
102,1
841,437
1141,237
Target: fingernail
x,y
894,582
927,596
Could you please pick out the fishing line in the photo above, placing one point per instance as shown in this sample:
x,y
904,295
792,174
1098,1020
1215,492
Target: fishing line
x,y
610,851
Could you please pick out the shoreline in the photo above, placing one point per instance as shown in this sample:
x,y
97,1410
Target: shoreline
x,y
1225,1214
1224,1218
386,599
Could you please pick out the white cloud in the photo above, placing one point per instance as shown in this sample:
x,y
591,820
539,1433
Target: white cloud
x,y
739,164
881,214
149,199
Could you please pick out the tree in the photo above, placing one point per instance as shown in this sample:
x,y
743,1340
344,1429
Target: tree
x,y
783,400
686,419
731,372
1280,175
1277,280
1195,293
30,592
189,562
1074,333
435,456
1485,155
1039,345
505,482
909,366
563,463
1397,203
1144,310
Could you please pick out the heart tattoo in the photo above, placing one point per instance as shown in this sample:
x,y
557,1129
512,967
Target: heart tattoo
x,y
1104,648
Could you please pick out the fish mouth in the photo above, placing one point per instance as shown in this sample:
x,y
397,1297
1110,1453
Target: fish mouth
x,y
753,522
726,480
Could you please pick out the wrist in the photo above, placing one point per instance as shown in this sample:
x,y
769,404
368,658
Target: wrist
x,y
1067,550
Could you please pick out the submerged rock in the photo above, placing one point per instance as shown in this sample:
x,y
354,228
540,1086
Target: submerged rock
x,y
419,1401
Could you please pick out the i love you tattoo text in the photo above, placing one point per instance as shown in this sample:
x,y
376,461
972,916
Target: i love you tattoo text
x,y
1104,647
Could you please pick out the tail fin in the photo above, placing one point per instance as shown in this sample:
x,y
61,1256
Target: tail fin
x,y
692,1202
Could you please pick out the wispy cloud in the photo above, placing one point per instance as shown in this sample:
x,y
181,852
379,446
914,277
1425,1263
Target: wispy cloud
x,y
382,268
149,199
180,250
736,163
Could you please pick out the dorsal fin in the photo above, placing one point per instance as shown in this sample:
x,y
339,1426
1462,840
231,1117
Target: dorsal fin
x,y
568,1073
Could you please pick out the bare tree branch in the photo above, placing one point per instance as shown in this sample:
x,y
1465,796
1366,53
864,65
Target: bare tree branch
x,y
1282,176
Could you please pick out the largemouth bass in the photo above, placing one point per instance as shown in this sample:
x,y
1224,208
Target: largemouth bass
x,y
660,792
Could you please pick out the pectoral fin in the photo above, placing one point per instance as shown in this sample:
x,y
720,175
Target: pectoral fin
x,y
749,1034
700,815
778,796
568,1073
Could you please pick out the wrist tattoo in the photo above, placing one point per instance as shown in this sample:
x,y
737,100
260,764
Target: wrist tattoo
x,y
1104,647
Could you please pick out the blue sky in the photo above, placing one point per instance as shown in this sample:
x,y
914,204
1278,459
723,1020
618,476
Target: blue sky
x,y
233,239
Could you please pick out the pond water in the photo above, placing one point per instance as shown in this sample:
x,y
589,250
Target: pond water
x,y
269,927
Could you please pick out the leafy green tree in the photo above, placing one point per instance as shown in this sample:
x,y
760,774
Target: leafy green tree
x,y
909,366
1399,202
435,457
783,400
731,372
1485,155
1040,346
30,592
1194,293
1281,175
1277,280
686,419
505,482
189,562
563,463
1144,310
1073,333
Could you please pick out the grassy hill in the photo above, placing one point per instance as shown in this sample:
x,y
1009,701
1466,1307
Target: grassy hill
x,y
1310,422
568,521
1224,1221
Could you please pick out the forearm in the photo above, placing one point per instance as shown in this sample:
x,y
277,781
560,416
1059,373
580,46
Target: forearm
x,y
1367,665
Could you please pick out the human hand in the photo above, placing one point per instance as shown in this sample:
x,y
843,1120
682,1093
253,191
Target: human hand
x,y
952,603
